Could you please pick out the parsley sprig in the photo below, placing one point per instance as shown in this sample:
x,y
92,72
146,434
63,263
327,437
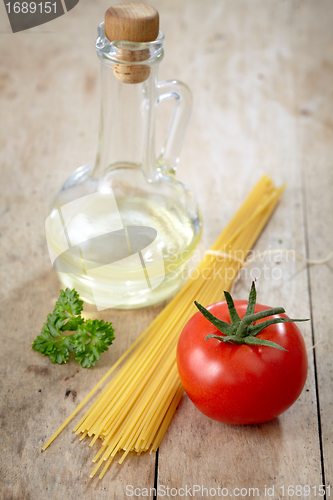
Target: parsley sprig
x,y
91,339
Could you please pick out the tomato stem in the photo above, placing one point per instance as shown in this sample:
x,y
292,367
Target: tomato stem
x,y
248,320
243,331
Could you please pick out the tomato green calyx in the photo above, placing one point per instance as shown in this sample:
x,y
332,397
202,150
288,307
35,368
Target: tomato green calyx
x,y
243,331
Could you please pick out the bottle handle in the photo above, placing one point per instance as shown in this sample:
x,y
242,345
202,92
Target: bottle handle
x,y
174,89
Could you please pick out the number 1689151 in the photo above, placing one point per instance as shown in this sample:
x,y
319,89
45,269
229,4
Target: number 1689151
x,y
306,490
31,7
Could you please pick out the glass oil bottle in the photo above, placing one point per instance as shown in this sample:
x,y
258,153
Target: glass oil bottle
x,y
121,231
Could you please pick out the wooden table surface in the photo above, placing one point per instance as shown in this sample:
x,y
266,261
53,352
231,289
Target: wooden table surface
x,y
261,73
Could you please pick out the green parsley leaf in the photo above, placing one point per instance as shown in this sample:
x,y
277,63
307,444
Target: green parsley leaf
x,y
51,342
91,340
69,306
69,303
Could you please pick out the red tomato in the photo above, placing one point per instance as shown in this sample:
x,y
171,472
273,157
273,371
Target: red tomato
x,y
239,383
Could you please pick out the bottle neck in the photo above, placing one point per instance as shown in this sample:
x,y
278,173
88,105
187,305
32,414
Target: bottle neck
x,y
128,110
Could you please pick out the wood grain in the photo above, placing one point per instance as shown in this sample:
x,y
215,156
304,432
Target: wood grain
x,y
261,76
315,138
134,22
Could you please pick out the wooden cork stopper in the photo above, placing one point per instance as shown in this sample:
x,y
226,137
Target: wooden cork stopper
x,y
133,22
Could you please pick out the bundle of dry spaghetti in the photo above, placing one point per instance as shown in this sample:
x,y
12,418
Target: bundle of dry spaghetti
x,y
135,408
